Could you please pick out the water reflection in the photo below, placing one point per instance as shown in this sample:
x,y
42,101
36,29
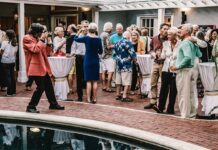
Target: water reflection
x,y
13,137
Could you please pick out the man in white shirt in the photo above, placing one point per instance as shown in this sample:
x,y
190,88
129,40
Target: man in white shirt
x,y
79,49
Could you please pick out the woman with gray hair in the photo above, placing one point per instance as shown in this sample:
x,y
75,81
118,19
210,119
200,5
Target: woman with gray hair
x,y
59,40
168,77
91,60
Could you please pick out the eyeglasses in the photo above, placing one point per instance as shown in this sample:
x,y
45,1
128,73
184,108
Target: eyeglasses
x,y
45,31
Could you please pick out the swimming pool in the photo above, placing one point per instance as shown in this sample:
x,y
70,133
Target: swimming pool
x,y
26,131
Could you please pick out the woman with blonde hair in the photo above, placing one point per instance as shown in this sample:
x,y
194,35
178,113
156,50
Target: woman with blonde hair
x,y
91,60
139,48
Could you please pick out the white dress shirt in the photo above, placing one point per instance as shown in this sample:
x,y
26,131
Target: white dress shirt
x,y
169,54
57,42
78,48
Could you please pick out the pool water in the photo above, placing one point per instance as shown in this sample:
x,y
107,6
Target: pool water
x,y
22,137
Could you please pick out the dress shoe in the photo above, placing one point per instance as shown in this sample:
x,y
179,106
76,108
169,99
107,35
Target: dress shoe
x,y
149,106
78,100
32,110
157,109
57,107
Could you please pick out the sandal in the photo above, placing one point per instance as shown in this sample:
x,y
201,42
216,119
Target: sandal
x,y
94,101
132,93
105,90
126,99
109,91
89,101
119,97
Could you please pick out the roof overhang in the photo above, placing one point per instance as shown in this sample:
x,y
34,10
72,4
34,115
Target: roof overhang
x,y
122,5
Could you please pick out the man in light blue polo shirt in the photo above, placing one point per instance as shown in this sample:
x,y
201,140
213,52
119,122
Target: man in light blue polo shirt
x,y
186,56
118,35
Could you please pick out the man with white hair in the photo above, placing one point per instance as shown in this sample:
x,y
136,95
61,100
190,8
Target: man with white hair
x,y
117,36
79,49
124,54
186,56
108,64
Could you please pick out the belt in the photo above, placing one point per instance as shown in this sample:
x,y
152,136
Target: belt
x,y
159,61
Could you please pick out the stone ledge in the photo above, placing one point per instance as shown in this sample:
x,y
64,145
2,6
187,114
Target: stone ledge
x,y
123,131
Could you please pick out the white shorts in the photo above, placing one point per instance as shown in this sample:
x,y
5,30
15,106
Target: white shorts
x,y
108,65
124,78
100,67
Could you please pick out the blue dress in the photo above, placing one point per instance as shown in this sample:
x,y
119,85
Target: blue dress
x,y
91,59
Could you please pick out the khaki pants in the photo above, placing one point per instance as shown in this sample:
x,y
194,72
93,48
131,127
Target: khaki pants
x,y
185,86
156,73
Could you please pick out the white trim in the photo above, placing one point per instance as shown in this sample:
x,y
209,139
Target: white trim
x,y
104,127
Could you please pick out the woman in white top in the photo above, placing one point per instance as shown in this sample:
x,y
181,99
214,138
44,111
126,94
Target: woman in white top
x,y
8,52
168,78
59,41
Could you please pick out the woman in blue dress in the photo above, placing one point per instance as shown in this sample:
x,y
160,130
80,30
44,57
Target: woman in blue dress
x,y
91,61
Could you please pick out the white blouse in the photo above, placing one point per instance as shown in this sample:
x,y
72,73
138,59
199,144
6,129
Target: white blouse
x,y
57,42
169,55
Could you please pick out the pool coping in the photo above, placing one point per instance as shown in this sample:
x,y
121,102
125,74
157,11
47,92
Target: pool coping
x,y
104,127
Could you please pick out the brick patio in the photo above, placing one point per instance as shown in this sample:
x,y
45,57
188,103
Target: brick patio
x,y
200,132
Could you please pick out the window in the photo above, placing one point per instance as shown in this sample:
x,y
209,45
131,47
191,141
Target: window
x,y
148,23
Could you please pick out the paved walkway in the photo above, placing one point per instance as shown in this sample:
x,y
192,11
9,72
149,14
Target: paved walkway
x,y
200,132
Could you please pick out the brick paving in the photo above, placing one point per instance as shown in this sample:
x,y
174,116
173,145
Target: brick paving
x,y
200,132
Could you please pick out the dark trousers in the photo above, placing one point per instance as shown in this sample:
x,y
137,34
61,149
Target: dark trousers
x,y
2,75
43,83
168,86
10,78
80,84
29,82
134,76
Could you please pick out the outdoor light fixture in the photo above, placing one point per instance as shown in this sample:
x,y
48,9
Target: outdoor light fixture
x,y
85,8
184,16
15,13
35,130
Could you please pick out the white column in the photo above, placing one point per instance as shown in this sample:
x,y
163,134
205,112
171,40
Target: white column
x,y
22,77
95,17
161,14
